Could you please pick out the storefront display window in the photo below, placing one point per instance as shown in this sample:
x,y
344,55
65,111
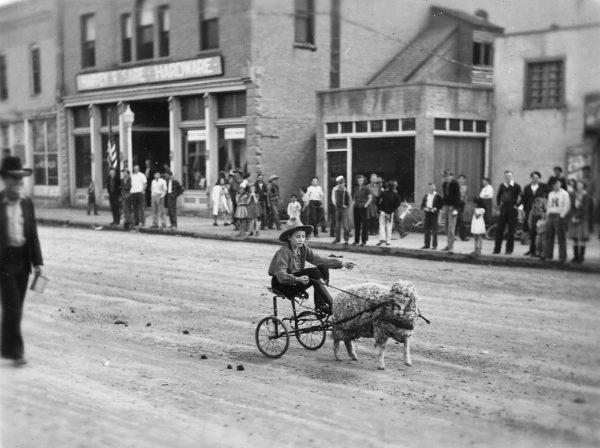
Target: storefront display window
x,y
45,152
192,108
194,168
232,149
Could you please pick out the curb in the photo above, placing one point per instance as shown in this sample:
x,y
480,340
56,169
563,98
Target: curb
x,y
420,254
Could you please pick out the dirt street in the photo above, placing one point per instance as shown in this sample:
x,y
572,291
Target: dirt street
x,y
510,359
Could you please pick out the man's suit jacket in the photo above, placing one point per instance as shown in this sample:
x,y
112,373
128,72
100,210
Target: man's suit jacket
x,y
437,202
529,196
451,190
33,250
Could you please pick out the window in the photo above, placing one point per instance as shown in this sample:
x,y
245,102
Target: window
x,y
88,41
232,153
332,128
545,84
231,105
45,152
192,108
483,54
209,24
392,125
439,124
362,126
4,140
481,126
337,143
126,37
194,170
36,71
304,22
408,124
377,126
163,31
346,127
81,117
454,124
3,83
145,31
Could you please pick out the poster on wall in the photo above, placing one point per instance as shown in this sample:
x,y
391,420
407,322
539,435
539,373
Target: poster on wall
x,y
576,160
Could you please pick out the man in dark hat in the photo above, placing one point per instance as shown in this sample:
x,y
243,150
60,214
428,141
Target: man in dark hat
x,y
19,251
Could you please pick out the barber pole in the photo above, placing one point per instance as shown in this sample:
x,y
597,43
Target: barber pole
x,y
111,150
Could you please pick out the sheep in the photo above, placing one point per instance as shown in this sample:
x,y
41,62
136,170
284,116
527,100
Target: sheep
x,y
374,311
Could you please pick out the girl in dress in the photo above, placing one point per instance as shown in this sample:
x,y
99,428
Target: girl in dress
x,y
478,225
294,208
241,211
220,201
253,210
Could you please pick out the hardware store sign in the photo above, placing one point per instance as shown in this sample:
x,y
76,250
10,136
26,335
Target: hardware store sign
x,y
147,74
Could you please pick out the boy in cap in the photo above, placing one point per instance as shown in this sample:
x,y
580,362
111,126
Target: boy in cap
x,y
340,198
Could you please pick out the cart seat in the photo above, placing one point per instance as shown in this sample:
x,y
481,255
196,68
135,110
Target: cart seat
x,y
301,295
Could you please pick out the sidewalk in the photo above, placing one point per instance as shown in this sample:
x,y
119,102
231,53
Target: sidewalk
x,y
409,246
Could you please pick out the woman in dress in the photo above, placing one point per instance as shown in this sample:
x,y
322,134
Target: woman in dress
x,y
241,211
253,210
579,224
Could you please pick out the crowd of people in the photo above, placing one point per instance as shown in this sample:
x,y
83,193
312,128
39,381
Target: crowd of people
x,y
550,211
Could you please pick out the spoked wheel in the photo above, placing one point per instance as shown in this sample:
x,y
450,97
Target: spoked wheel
x,y
272,337
310,330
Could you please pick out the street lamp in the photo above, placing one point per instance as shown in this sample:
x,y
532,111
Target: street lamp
x,y
128,119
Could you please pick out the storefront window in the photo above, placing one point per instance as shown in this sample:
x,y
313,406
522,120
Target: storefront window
x,y
192,108
232,149
83,161
194,168
81,117
45,152
231,105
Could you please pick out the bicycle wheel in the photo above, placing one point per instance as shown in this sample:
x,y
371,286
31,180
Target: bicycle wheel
x,y
490,233
310,330
272,337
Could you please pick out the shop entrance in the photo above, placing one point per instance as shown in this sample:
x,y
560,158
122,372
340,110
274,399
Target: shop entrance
x,y
150,135
463,156
390,158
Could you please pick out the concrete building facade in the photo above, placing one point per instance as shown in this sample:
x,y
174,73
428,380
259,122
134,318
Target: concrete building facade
x,y
546,102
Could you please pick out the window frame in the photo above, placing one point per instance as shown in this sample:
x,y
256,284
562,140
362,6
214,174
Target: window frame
x,y
35,76
482,54
140,30
46,153
88,47
164,29
126,42
308,18
209,29
3,78
527,83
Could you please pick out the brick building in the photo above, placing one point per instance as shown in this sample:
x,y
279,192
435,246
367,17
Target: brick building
x,y
428,108
29,81
547,103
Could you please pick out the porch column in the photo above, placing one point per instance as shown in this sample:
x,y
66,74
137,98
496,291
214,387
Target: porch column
x,y
96,150
175,152
212,140
28,162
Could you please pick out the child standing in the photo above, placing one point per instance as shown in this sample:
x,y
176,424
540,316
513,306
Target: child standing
x,y
478,225
253,210
537,222
294,208
431,205
91,191
241,211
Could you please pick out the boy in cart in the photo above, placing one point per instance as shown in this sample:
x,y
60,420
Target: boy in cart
x,y
288,266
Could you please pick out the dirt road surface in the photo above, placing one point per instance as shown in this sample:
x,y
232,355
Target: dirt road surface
x,y
511,357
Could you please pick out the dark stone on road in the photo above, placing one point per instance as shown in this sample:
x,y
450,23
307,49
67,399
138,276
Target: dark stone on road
x,y
203,357
185,332
240,367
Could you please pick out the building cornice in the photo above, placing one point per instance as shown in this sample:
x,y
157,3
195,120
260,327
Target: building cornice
x,y
551,30
455,85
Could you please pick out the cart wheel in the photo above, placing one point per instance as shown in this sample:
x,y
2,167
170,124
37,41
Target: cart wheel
x,y
310,330
272,338
490,233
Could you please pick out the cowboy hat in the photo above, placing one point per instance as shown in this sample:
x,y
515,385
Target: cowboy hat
x,y
273,177
11,166
293,225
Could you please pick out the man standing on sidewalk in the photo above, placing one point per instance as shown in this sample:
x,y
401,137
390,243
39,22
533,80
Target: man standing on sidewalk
x,y
113,188
174,190
508,199
158,192
315,205
261,192
451,201
126,198
19,251
138,192
340,198
559,205
273,201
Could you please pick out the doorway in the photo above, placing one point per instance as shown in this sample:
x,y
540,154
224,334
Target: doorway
x,y
391,158
150,134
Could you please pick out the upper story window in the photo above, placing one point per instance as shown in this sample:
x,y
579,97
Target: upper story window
x,y
545,84
209,24
36,70
145,30
163,31
304,22
88,41
126,33
3,80
483,54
